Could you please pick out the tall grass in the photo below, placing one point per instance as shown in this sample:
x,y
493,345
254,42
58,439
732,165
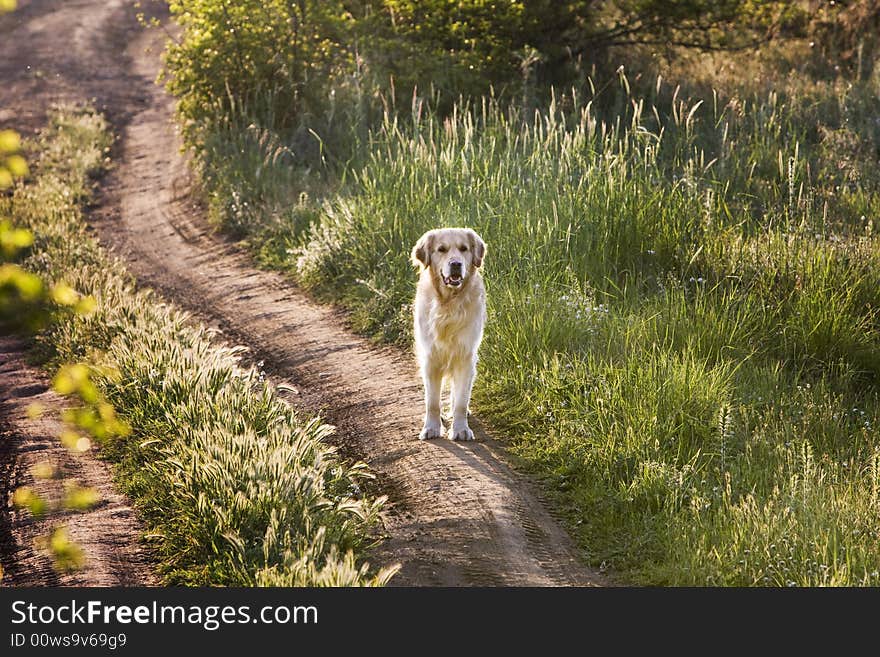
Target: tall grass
x,y
683,332
235,486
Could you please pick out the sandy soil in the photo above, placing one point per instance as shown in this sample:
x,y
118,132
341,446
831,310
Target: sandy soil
x,y
108,533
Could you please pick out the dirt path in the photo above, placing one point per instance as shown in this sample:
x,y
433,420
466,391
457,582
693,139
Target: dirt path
x,y
107,533
460,515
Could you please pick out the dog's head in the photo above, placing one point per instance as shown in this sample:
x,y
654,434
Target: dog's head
x,y
452,254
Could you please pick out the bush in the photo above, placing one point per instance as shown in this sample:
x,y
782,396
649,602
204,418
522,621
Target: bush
x,y
286,63
277,59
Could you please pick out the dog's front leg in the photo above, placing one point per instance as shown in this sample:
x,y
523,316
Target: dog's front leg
x,y
462,383
433,380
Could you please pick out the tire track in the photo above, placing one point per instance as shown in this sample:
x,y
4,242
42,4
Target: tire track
x,y
108,533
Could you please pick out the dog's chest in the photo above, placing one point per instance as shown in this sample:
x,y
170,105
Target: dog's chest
x,y
454,323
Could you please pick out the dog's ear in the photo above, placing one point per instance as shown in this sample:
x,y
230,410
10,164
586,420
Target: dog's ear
x,y
478,246
421,253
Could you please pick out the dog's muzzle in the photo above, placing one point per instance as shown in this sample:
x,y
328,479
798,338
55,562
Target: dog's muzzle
x,y
456,275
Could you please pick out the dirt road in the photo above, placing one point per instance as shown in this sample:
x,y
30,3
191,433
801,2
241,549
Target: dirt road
x,y
107,533
459,514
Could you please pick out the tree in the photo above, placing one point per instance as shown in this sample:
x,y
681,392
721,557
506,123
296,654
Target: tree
x,y
467,46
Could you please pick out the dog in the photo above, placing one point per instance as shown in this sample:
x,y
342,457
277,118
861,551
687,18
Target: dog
x,y
449,314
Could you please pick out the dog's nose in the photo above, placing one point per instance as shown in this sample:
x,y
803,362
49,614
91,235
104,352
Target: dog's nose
x,y
455,267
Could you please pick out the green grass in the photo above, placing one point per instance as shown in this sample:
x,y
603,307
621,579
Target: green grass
x,y
235,487
683,339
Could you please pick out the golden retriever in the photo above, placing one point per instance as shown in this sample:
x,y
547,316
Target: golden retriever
x,y
449,313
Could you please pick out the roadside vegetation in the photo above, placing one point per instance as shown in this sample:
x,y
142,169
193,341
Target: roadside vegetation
x,y
26,304
683,340
234,486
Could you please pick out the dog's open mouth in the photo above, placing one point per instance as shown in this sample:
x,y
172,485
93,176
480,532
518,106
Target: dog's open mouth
x,y
453,280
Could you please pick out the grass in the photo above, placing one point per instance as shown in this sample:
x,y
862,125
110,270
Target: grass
x,y
683,333
236,488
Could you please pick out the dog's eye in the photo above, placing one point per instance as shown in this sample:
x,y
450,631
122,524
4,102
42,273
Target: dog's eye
x,y
442,249
464,248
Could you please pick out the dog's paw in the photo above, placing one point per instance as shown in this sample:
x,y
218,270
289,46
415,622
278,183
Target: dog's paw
x,y
461,433
429,432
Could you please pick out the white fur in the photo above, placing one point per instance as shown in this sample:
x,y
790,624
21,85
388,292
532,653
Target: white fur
x,y
448,324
